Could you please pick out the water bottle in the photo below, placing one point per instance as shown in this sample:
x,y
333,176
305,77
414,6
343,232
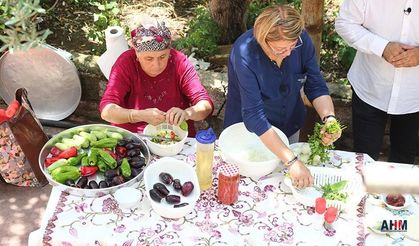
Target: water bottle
x,y
204,157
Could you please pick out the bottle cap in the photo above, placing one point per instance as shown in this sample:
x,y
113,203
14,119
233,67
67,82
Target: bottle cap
x,y
206,136
229,170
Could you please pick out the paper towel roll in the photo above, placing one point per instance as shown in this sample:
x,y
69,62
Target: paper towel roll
x,y
115,38
116,44
391,180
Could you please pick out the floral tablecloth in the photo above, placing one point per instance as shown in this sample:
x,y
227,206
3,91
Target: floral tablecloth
x,y
265,214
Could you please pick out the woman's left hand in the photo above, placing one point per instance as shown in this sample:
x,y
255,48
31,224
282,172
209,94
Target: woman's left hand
x,y
175,116
328,138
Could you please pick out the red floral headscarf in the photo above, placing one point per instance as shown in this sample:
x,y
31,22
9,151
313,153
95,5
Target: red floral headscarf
x,y
154,38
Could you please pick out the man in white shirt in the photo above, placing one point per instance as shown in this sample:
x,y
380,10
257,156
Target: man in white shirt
x,y
384,74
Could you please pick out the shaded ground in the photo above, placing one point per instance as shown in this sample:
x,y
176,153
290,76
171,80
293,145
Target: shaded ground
x,y
21,212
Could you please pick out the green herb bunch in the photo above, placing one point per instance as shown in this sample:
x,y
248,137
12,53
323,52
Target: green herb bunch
x,y
319,151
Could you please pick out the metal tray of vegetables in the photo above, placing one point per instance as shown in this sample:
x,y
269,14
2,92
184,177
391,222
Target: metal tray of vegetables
x,y
94,160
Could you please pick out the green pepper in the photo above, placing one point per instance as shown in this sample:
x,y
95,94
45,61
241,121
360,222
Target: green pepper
x,y
102,165
85,161
72,161
125,168
105,143
107,158
93,157
58,163
64,173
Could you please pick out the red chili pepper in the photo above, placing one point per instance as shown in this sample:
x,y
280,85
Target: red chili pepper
x,y
68,153
88,170
3,116
121,151
109,151
55,151
13,108
49,161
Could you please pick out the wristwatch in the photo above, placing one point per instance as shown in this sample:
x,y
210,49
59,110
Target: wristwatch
x,y
327,117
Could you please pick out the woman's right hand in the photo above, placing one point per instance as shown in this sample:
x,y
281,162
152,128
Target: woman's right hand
x,y
300,175
154,116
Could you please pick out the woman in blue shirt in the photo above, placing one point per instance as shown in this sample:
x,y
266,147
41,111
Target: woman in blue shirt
x,y
268,66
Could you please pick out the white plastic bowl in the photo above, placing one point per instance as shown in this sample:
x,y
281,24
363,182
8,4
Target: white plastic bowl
x,y
162,149
179,170
247,151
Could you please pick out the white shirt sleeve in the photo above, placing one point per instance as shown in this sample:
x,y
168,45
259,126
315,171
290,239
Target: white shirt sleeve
x,y
349,25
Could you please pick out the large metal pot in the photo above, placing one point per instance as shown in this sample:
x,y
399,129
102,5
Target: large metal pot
x,y
91,192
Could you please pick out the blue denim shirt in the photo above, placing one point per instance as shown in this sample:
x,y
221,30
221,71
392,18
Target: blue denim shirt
x,y
262,94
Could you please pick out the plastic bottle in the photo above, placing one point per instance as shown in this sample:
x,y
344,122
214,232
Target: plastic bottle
x,y
205,157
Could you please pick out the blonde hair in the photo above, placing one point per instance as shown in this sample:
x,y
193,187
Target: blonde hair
x,y
278,22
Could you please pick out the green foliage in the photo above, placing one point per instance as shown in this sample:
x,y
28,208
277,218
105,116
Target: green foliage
x,y
257,6
18,28
201,37
107,15
337,55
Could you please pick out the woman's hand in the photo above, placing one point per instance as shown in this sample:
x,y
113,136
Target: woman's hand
x,y
329,138
175,116
154,116
300,175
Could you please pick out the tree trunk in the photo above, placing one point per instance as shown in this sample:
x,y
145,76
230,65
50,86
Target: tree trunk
x,y
312,12
230,16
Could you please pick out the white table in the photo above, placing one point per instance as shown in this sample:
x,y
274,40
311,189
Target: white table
x,y
266,214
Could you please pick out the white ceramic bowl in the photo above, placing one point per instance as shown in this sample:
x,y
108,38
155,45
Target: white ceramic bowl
x,y
128,197
407,202
179,170
162,149
247,151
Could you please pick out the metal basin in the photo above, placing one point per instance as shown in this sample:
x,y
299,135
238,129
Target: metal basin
x,y
92,192
50,78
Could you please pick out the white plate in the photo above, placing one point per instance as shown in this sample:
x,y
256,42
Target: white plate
x,y
179,170
305,196
325,175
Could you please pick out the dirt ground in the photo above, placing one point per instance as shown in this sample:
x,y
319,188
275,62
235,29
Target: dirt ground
x,y
70,22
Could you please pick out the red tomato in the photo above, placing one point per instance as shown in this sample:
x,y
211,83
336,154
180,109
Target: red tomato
x,y
320,205
330,215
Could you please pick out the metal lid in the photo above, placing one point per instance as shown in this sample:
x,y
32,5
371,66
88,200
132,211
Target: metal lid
x,y
229,170
206,136
50,78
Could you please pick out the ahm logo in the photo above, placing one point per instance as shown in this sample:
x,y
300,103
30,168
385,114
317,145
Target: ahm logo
x,y
394,225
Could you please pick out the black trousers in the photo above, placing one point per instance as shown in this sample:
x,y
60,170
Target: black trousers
x,y
369,124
